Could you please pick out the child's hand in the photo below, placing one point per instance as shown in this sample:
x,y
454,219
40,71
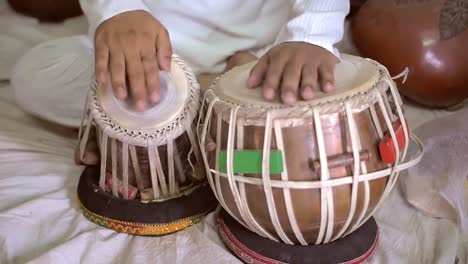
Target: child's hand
x,y
294,69
134,45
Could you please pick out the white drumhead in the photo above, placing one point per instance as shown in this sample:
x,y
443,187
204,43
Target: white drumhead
x,y
174,95
353,75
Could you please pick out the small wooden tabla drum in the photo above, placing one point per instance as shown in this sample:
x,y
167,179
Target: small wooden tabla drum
x,y
305,178
151,179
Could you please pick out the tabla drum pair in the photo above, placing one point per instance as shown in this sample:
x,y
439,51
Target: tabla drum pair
x,y
150,180
299,184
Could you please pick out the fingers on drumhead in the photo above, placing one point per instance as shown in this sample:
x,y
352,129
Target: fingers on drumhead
x,y
327,79
164,50
291,81
151,68
117,71
258,72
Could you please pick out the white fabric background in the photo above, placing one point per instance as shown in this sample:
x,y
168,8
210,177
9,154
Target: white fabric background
x,y
40,221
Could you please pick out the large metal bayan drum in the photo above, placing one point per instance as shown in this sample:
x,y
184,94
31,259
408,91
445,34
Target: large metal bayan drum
x,y
430,37
306,174
48,10
151,179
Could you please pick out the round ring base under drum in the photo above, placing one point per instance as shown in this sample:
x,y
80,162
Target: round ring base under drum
x,y
137,218
251,248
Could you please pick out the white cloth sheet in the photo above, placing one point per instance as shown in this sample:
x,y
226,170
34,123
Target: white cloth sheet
x,y
437,185
40,221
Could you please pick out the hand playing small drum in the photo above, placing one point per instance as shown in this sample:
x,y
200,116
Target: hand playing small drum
x,y
134,45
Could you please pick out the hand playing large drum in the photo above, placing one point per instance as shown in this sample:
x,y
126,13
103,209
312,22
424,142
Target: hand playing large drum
x,y
310,173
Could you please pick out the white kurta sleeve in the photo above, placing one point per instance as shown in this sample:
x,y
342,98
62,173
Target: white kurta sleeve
x,y
97,11
319,22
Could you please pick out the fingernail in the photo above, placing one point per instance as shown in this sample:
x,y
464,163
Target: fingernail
x,y
154,97
167,63
308,92
289,97
121,93
251,82
269,94
328,87
140,106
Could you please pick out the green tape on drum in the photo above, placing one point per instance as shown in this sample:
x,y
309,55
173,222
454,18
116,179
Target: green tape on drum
x,y
250,162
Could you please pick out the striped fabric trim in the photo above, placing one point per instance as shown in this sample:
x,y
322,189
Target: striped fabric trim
x,y
251,257
141,229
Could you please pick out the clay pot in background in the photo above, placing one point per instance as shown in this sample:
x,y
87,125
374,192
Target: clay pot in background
x,y
355,6
47,10
428,36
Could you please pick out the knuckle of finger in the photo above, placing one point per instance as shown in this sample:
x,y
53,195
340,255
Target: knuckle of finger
x,y
275,72
131,38
150,67
146,36
326,73
117,83
165,31
279,57
100,68
101,57
169,51
152,82
257,70
308,83
136,74
148,59
118,65
270,83
101,36
138,92
114,38
274,51
298,59
288,87
312,65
